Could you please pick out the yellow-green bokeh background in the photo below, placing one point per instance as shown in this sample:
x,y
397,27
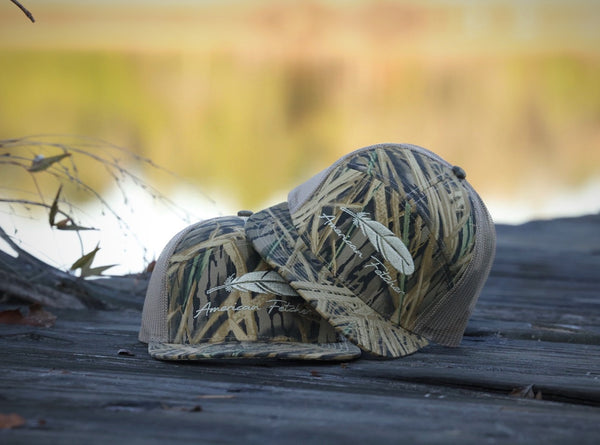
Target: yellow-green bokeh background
x,y
248,98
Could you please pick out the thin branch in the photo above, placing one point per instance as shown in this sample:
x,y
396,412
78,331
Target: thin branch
x,y
27,202
25,10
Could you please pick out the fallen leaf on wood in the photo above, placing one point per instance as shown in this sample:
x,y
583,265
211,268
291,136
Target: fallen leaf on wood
x,y
526,392
126,352
35,315
187,409
12,420
315,374
11,316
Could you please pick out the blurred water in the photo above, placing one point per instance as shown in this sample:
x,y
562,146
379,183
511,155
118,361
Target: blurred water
x,y
244,100
147,224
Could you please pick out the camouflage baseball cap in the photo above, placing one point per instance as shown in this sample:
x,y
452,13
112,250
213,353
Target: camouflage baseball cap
x,y
390,244
211,296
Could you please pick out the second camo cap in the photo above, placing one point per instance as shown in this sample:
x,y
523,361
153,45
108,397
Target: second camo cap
x,y
211,296
390,244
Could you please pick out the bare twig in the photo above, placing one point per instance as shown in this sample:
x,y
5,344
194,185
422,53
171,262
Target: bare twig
x,y
25,10
28,202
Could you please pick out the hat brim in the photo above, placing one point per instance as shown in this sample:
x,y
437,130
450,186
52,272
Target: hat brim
x,y
274,237
340,351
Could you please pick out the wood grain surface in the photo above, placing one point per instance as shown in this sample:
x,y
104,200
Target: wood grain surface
x,y
527,371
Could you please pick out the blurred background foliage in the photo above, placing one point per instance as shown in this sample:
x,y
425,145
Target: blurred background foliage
x,y
246,99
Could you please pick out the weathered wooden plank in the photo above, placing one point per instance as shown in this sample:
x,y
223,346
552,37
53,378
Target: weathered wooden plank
x,y
75,369
534,332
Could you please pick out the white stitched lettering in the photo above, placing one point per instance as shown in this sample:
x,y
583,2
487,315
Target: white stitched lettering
x,y
329,222
284,306
273,305
209,309
383,272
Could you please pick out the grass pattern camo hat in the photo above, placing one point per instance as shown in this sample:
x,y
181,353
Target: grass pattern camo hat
x,y
211,296
390,244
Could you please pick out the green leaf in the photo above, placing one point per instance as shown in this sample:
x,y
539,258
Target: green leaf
x,y
86,260
41,163
95,271
85,264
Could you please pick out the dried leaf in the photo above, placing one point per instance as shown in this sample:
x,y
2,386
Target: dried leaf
x,y
125,352
40,317
150,267
41,163
35,316
54,207
86,260
526,392
12,420
62,224
11,316
67,224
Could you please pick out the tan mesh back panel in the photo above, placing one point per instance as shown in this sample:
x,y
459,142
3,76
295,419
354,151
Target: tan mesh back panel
x,y
154,314
446,321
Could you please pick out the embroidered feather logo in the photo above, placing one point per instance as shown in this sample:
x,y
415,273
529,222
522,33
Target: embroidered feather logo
x,y
262,282
385,242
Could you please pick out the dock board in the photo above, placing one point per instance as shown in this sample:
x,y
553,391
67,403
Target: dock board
x,y
527,371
